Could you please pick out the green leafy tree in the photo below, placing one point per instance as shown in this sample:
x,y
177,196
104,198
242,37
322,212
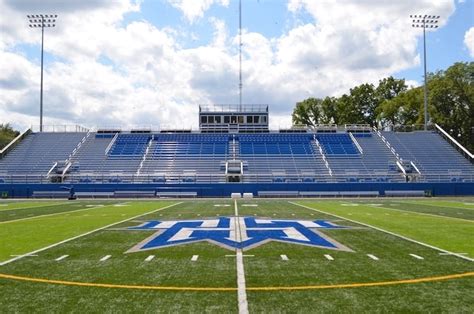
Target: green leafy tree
x,y
451,101
7,134
307,112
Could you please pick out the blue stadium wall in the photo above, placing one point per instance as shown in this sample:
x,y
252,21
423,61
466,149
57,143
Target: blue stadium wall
x,y
225,190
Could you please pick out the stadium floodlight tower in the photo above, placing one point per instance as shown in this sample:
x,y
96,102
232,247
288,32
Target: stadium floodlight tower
x,y
43,21
425,21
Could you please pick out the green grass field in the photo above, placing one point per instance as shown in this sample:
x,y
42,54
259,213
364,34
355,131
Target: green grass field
x,y
376,273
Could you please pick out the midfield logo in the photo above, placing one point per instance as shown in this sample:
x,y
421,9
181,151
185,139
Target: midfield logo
x,y
237,233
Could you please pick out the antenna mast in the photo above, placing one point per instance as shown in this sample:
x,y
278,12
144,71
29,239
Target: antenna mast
x,y
240,54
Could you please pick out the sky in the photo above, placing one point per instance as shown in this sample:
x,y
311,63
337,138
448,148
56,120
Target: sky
x,y
150,63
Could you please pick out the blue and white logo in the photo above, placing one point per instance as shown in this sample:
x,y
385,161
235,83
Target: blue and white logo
x,y
237,233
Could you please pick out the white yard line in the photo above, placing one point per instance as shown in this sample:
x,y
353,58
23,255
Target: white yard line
x,y
53,214
375,258
423,214
329,257
416,256
241,286
388,232
106,257
407,202
149,258
84,234
61,258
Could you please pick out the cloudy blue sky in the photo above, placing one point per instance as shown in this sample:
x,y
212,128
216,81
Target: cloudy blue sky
x,y
151,62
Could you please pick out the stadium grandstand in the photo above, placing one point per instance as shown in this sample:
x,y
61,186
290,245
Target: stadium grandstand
x,y
235,151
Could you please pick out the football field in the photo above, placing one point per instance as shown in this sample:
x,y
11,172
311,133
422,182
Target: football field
x,y
338,255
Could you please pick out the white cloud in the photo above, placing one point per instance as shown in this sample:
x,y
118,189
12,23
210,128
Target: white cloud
x,y
194,9
109,72
469,41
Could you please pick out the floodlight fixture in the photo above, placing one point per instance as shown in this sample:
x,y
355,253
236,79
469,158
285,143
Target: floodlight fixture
x,y
43,21
425,21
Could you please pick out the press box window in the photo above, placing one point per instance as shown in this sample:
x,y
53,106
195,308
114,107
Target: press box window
x,y
203,119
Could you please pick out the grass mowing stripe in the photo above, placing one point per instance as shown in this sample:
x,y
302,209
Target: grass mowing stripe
x,y
27,235
386,231
36,206
53,214
425,214
434,205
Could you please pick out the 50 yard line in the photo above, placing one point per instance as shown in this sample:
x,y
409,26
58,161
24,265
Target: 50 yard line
x,y
241,287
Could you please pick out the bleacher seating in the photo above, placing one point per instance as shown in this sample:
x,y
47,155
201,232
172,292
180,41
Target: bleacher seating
x,y
130,145
36,154
435,158
186,157
375,164
201,157
337,144
281,158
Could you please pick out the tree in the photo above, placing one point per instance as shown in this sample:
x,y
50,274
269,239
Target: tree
x,y
7,134
451,101
307,112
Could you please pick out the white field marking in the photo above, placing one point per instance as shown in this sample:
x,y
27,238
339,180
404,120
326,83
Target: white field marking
x,y
329,257
349,204
452,253
406,212
149,258
28,207
375,258
221,205
284,257
106,257
249,205
61,258
84,234
235,255
32,255
97,205
438,205
194,258
416,256
391,233
53,214
241,286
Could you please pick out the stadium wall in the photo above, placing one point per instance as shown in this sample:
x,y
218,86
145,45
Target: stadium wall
x,y
225,190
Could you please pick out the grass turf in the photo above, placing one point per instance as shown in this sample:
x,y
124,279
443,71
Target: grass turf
x,y
172,267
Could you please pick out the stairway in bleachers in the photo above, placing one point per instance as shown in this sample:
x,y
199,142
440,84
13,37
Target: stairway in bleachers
x,y
38,152
435,158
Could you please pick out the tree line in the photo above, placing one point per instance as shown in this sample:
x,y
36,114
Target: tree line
x,y
391,104
7,134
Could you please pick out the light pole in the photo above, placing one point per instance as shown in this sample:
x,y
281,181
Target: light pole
x,y
42,20
425,21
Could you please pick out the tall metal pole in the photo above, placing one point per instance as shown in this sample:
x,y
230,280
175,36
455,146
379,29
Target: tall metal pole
x,y
240,55
41,88
425,89
425,21
43,21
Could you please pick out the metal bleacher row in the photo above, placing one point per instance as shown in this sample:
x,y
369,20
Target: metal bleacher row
x,y
201,157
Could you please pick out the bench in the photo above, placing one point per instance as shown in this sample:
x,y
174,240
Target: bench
x,y
404,193
278,193
51,194
176,194
94,194
338,193
134,194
